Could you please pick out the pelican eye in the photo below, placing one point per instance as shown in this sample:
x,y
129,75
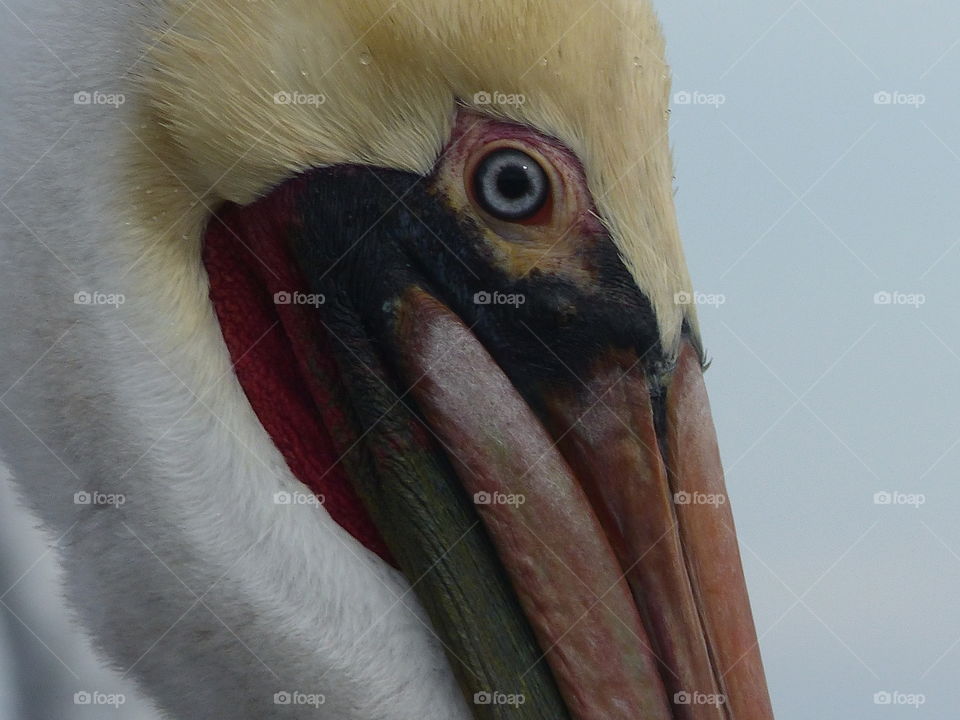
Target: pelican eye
x,y
511,185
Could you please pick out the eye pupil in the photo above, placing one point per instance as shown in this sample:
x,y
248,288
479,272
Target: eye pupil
x,y
511,185
513,182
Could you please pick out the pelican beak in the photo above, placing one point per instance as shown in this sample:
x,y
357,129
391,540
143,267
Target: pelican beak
x,y
609,510
544,472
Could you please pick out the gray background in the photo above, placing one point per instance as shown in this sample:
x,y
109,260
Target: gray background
x,y
800,198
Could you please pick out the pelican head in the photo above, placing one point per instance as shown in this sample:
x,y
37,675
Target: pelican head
x,y
359,373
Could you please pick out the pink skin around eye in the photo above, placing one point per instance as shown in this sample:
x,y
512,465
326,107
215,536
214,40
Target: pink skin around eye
x,y
472,131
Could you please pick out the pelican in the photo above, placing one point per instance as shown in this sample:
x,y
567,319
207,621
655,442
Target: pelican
x,y
349,355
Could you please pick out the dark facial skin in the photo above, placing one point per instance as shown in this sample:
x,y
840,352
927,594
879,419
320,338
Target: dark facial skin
x,y
428,236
